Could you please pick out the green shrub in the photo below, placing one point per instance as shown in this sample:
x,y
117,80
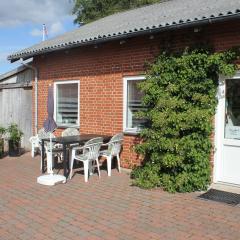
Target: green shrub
x,y
180,102
14,133
147,177
2,131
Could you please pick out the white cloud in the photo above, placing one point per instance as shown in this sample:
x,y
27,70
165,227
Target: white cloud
x,y
15,12
56,28
32,14
36,32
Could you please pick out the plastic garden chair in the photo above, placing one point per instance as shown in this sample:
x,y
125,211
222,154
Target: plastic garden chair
x,y
90,154
37,144
70,132
36,141
114,149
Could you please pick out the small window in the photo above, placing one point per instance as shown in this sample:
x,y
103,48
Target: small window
x,y
132,104
67,103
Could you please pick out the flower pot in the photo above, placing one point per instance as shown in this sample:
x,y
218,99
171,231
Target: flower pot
x,y
14,148
1,147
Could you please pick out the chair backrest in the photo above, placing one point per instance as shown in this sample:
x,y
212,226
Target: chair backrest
x,y
115,144
91,148
43,134
70,132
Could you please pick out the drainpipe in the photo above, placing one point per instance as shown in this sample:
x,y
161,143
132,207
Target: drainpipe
x,y
36,92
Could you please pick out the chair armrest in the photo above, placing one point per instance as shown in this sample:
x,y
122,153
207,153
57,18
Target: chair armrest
x,y
77,148
105,144
33,139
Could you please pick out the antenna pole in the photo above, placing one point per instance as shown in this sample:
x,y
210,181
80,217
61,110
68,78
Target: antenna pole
x,y
44,32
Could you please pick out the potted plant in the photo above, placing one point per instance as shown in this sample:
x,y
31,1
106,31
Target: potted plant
x,y
14,140
2,131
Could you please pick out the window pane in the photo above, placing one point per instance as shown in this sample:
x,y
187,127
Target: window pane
x,y
232,116
67,104
134,96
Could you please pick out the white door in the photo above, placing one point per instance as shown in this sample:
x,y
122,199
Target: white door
x,y
228,132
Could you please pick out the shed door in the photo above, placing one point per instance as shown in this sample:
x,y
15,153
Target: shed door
x,y
16,107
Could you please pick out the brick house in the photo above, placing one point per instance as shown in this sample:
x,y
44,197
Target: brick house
x,y
96,67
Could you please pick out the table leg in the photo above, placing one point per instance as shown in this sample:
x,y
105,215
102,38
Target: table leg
x,y
65,160
42,157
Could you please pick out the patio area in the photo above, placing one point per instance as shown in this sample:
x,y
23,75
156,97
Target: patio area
x,y
106,208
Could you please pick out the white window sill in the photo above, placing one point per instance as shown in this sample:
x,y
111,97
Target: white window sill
x,y
67,126
132,132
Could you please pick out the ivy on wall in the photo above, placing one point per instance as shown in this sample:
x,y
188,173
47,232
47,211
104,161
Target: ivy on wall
x,y
179,105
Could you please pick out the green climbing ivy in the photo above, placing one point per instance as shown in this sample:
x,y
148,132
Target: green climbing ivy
x,y
180,102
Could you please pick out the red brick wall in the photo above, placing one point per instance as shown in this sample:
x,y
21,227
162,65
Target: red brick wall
x,y
101,69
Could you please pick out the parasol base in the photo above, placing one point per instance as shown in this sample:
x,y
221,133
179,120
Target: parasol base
x,y
51,179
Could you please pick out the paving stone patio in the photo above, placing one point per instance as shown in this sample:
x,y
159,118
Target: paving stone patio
x,y
109,208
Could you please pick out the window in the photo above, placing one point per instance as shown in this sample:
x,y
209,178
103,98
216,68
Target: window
x,y
67,103
232,112
132,104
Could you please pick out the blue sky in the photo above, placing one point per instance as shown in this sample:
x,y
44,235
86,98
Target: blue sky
x,y
21,24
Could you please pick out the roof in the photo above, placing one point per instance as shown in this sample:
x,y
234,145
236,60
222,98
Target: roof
x,y
12,72
156,17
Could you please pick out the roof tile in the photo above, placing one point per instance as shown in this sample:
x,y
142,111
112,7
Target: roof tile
x,y
157,16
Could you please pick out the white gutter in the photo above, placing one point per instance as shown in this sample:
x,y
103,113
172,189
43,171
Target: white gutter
x,y
36,92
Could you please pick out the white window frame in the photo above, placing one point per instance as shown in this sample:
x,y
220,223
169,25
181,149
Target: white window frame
x,y
125,96
55,102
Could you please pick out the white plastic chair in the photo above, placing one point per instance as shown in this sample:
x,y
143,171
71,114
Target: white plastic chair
x,y
90,154
34,140
114,148
70,132
56,151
